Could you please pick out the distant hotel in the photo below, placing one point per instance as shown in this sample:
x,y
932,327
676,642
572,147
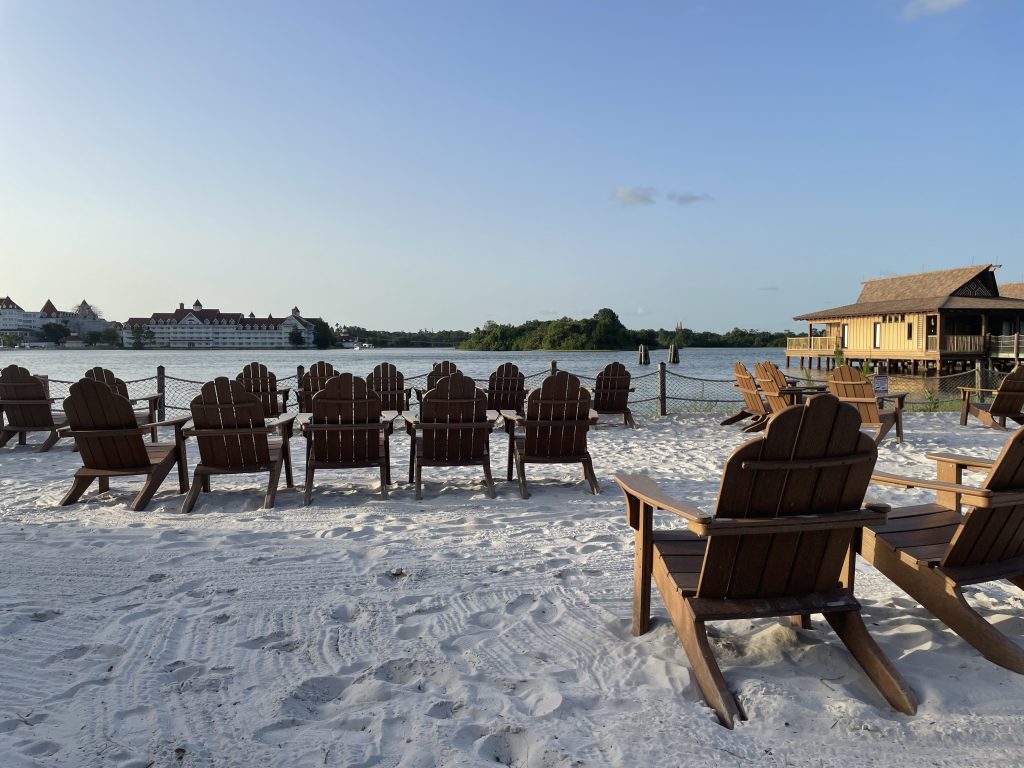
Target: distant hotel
x,y
212,329
27,325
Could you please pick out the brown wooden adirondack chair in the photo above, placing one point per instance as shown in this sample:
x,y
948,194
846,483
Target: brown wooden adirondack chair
x,y
346,431
850,386
452,430
110,442
444,368
234,438
754,407
779,391
611,392
932,551
312,382
389,384
1007,402
777,544
256,379
148,415
506,389
26,407
554,429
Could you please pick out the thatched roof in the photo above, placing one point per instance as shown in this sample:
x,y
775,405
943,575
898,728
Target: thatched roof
x,y
971,287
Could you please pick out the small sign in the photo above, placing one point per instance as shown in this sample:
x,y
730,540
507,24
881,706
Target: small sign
x,y
880,384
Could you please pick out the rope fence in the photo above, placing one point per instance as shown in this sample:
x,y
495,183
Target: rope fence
x,y
661,392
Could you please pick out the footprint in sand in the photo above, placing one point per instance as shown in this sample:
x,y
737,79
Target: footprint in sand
x,y
275,641
45,615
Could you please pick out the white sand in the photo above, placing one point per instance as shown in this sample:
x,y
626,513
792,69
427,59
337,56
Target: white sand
x,y
454,631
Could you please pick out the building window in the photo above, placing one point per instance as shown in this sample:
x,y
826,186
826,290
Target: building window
x,y
878,336
844,337
910,331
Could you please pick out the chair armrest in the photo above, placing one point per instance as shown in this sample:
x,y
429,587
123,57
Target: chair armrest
x,y
645,489
973,463
979,497
874,514
283,421
410,417
512,416
177,421
965,390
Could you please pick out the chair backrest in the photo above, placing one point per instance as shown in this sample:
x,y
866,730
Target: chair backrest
x,y
23,399
991,534
346,399
748,388
774,476
223,404
506,389
611,390
849,385
444,368
557,418
454,414
107,377
1009,398
312,382
389,384
257,380
768,378
93,407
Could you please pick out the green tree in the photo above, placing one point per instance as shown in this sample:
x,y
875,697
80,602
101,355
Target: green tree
x,y
55,332
142,336
9,339
112,336
295,338
92,338
323,336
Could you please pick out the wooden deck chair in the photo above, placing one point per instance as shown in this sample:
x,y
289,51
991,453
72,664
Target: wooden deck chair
x,y
148,415
234,438
346,431
850,386
754,407
554,429
506,389
312,382
778,544
932,551
452,430
26,407
256,379
779,391
110,442
1007,402
389,384
444,368
611,392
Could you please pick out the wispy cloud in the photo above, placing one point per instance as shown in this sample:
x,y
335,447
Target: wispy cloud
x,y
688,198
916,9
635,195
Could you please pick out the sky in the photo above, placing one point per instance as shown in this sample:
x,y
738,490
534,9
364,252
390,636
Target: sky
x,y
406,165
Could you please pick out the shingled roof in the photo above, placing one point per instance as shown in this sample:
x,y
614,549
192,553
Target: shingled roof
x,y
7,303
1012,290
971,287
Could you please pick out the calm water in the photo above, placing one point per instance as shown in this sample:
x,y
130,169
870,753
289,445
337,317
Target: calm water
x,y
202,365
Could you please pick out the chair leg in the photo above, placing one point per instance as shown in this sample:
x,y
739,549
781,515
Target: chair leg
x,y
412,460
588,472
287,453
5,436
200,483
153,480
883,430
51,440
104,485
965,409
849,625
385,477
705,668
511,457
758,425
79,486
23,438
736,418
275,478
521,472
419,482
307,496
488,479
899,426
627,419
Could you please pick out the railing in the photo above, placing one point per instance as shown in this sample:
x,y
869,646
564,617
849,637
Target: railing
x,y
812,344
1005,346
968,344
931,344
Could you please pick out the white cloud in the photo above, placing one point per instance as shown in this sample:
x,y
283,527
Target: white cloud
x,y
915,9
635,195
688,198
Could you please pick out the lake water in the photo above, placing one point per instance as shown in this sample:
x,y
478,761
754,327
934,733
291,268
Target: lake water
x,y
202,365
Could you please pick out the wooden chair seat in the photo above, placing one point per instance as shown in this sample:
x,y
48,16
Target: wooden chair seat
x,y
25,406
681,555
920,534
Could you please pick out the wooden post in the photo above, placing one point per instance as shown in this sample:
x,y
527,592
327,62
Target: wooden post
x,y
662,399
298,376
554,367
977,380
161,388
643,356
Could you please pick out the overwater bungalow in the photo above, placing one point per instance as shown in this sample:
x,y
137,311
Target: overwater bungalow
x,y
927,323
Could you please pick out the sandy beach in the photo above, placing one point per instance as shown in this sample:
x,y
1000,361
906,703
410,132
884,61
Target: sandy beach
x,y
454,631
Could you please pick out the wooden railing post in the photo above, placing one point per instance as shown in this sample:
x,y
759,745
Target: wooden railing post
x,y
299,370
554,367
662,397
161,388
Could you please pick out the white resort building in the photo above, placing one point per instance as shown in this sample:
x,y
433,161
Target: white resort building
x,y
26,324
201,328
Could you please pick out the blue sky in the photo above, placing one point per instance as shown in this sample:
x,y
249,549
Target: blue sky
x,y
440,164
